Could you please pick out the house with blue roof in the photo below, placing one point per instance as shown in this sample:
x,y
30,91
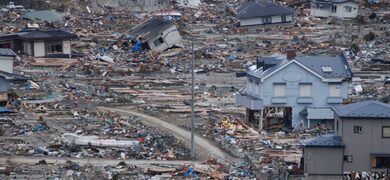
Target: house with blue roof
x,y
294,91
361,142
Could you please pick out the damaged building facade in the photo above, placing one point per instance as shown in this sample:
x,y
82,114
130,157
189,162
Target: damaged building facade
x,y
334,8
39,43
295,90
157,34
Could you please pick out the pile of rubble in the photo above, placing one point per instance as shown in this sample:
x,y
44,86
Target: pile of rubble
x,y
106,135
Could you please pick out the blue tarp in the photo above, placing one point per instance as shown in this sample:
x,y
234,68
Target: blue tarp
x,y
4,110
374,1
137,46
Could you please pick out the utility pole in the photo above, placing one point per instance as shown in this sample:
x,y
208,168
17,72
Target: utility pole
x,y
193,104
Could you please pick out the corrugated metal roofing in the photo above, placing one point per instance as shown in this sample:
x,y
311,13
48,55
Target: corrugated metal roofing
x,y
338,64
7,52
367,109
327,140
262,9
151,28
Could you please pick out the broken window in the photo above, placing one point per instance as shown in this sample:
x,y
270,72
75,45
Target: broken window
x,y
379,162
348,8
357,129
305,89
386,131
54,47
348,158
158,42
279,89
334,90
334,9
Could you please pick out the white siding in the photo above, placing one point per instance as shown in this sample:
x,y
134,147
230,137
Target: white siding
x,y
258,89
171,36
6,64
289,18
276,19
340,12
39,49
259,20
250,21
66,47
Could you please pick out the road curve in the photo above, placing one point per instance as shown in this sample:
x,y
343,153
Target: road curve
x,y
203,148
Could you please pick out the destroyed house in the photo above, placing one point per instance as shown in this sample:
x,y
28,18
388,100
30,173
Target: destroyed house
x,y
157,34
264,12
37,43
7,77
334,8
295,90
361,142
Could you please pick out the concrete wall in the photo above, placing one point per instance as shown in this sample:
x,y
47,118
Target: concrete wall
x,y
66,47
259,21
171,36
7,64
340,12
292,75
39,49
360,146
323,161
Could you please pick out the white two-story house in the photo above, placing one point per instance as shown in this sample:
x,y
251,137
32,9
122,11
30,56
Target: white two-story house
x,y
291,91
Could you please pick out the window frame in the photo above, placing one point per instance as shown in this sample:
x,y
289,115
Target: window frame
x,y
267,19
373,166
335,93
283,90
358,129
346,157
50,45
157,42
333,8
301,85
383,127
348,9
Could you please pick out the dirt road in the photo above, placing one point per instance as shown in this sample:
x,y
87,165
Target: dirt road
x,y
203,147
82,161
